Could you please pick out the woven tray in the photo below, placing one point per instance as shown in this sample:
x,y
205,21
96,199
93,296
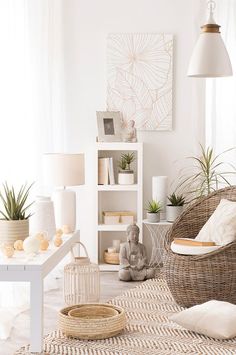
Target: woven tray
x,y
111,258
92,321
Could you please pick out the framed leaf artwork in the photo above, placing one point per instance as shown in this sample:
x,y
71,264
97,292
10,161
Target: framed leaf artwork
x,y
140,79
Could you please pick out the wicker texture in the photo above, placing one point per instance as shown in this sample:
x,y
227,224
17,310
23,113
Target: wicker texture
x,y
92,322
81,280
196,279
111,258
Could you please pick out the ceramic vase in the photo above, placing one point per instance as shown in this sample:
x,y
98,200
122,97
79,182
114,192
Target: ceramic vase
x,y
126,177
153,217
43,219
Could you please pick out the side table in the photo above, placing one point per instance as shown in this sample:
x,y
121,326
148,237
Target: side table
x,y
158,233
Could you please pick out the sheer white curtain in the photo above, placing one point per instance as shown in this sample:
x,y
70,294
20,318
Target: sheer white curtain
x,y
221,92
31,86
32,119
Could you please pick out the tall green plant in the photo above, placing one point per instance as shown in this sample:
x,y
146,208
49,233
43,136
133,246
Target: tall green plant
x,y
207,175
15,204
128,158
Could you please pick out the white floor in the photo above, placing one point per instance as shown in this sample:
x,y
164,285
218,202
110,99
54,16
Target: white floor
x,y
110,287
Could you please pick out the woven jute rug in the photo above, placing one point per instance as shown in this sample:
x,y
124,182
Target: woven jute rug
x,y
148,332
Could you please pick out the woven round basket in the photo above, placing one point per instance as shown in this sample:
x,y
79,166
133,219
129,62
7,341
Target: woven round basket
x,y
111,258
92,321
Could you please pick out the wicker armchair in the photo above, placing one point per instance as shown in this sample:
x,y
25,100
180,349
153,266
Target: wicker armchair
x,y
197,279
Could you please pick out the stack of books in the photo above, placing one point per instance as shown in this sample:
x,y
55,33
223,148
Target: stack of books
x,y
106,171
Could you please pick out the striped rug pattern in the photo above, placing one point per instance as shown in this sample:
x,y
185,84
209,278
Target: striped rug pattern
x,y
148,332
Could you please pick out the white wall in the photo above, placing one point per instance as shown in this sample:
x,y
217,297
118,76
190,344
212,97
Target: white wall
x,y
87,23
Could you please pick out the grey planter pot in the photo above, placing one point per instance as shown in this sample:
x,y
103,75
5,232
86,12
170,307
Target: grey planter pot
x,y
153,217
173,212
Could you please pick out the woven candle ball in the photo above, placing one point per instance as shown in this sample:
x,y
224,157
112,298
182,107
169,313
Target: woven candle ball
x,y
31,245
18,245
40,236
44,244
59,232
8,251
58,241
66,229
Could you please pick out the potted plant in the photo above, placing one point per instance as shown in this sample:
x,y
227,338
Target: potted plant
x,y
153,211
15,222
175,207
126,175
208,173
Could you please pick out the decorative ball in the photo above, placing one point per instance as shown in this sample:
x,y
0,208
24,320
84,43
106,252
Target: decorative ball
x,y
40,236
8,251
66,229
44,244
58,241
31,245
18,245
59,232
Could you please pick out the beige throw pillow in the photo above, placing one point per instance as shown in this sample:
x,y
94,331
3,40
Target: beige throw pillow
x,y
221,226
215,319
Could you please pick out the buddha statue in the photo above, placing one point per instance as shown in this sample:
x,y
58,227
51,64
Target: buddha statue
x,y
133,260
130,132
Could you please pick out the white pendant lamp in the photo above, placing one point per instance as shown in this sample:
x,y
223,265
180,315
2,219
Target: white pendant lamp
x,y
210,58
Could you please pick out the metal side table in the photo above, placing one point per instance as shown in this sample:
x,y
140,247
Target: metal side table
x,y
158,233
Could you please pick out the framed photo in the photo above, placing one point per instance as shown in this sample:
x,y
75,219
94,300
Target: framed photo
x,y
109,126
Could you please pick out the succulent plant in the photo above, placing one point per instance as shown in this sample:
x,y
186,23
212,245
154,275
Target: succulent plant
x,y
153,206
15,203
176,200
128,158
122,164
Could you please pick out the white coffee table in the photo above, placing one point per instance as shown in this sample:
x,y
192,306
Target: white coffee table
x,y
21,269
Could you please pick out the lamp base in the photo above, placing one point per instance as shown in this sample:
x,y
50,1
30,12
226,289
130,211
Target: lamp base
x,y
65,208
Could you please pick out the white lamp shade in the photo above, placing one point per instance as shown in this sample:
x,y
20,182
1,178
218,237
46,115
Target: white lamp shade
x,y
210,57
64,169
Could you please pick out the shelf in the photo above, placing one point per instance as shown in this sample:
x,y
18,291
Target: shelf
x,y
118,146
117,187
112,227
108,267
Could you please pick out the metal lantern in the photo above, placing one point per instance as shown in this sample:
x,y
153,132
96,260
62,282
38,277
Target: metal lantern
x,y
81,280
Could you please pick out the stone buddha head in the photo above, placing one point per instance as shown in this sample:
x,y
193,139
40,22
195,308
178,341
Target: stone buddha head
x,y
132,233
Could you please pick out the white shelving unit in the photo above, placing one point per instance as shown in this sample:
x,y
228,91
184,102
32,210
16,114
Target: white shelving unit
x,y
117,197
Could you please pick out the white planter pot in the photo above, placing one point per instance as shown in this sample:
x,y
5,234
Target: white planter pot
x,y
172,212
126,177
153,217
10,231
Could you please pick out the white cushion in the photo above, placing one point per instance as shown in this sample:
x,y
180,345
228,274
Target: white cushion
x,y
192,250
215,319
221,226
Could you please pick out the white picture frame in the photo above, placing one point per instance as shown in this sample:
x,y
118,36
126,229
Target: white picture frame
x,y
109,126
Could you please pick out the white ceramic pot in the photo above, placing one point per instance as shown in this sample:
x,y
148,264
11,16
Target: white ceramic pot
x,y
126,177
172,212
10,231
153,217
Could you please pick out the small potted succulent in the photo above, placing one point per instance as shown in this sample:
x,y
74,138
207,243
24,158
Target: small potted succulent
x,y
126,174
175,207
14,224
153,211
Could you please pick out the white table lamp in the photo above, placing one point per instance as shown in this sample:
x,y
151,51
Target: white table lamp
x,y
62,170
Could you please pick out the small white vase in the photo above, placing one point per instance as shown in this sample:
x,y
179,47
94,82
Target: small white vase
x,y
153,217
10,231
43,219
173,212
126,177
